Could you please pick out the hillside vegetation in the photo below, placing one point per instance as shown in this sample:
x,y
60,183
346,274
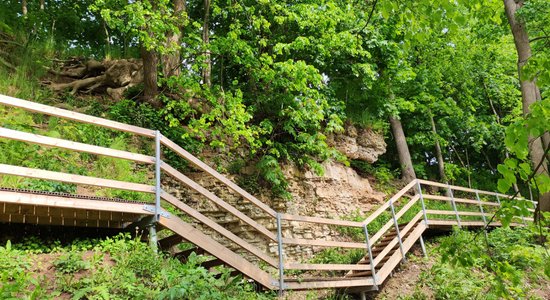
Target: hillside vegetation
x,y
459,89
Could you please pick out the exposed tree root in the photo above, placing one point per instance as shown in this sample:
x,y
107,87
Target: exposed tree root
x,y
111,76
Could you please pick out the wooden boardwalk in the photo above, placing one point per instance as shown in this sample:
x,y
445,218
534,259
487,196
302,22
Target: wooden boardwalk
x,y
411,212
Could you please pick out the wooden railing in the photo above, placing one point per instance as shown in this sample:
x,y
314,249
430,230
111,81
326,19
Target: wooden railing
x,y
412,206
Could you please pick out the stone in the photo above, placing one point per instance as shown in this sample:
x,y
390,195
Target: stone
x,y
362,144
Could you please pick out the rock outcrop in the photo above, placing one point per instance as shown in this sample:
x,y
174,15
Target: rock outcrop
x,y
359,143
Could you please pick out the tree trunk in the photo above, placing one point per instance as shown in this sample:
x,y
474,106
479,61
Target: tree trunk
x,y
171,64
150,88
207,70
438,153
24,7
529,90
41,4
407,170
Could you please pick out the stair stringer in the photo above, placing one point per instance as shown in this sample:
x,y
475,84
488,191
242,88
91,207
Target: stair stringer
x,y
396,257
216,249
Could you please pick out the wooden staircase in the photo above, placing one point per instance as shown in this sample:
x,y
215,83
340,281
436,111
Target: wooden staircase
x,y
384,250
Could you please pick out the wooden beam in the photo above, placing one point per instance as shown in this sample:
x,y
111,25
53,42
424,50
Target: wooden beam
x,y
459,200
384,206
394,260
212,197
318,220
367,282
324,243
56,203
215,226
71,115
326,267
218,250
206,168
72,178
80,147
462,213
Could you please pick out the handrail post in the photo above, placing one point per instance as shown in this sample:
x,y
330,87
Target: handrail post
x,y
397,231
280,250
153,239
454,204
158,162
419,187
482,214
372,266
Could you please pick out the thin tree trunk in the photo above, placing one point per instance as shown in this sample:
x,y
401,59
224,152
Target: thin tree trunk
x,y
438,153
171,64
207,70
150,88
24,7
41,4
407,170
529,90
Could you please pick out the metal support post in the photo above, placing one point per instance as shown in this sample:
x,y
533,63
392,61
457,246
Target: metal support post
x,y
530,191
482,214
498,200
397,231
158,162
280,249
454,205
419,187
153,239
371,258
423,246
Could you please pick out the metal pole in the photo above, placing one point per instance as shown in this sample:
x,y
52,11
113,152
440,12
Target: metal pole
x,y
482,215
397,231
498,200
454,204
158,190
372,266
481,208
530,191
280,249
422,202
153,239
423,246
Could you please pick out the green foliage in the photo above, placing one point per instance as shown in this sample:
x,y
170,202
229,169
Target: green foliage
x,y
509,258
70,262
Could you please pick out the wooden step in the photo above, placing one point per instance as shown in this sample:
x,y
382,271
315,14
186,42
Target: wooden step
x,y
212,263
168,242
183,255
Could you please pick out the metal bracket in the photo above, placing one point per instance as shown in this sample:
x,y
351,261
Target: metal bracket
x,y
151,208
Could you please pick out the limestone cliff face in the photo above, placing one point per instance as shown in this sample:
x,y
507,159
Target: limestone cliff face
x,y
359,143
338,193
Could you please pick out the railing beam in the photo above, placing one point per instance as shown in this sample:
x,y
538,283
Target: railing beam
x,y
396,224
454,204
482,215
371,258
280,251
419,187
158,163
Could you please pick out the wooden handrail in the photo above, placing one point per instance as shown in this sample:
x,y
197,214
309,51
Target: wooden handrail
x,y
69,145
212,197
77,179
71,115
384,206
318,220
206,168
215,226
